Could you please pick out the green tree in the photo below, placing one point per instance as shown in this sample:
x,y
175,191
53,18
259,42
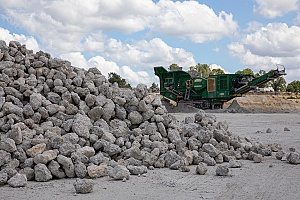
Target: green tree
x,y
293,86
201,70
217,71
173,66
246,71
154,87
114,77
278,85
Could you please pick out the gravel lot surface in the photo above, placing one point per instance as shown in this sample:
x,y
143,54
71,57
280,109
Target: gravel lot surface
x,y
271,179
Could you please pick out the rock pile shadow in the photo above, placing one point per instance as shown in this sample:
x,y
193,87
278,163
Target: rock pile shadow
x,y
58,121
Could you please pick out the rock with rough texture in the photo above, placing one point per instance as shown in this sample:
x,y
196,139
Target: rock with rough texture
x,y
210,149
67,165
258,158
3,178
56,170
293,158
222,170
201,168
235,163
18,180
80,170
119,172
83,186
135,117
42,173
95,171
136,170
87,151
8,144
81,125
37,149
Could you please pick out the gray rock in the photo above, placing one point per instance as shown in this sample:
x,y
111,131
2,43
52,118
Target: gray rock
x,y
209,161
67,149
235,163
201,168
56,170
97,159
141,91
8,144
108,110
199,115
79,157
269,130
120,112
29,173
95,113
54,97
136,170
173,135
108,136
35,101
87,151
135,117
18,180
222,170
112,149
204,136
279,155
83,186
119,172
176,165
80,170
210,149
293,158
28,111
16,132
42,173
258,158
90,99
67,165
81,125
3,178
171,157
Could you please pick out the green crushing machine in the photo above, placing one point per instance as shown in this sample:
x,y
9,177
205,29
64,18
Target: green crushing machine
x,y
211,92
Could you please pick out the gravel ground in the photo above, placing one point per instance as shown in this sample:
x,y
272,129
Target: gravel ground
x,y
271,179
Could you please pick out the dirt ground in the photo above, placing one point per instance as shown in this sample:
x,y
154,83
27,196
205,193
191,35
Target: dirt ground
x,y
271,179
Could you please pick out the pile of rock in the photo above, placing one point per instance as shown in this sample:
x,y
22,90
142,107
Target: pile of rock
x,y
60,121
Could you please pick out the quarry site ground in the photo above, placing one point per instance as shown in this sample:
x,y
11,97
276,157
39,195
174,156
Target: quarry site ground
x,y
270,179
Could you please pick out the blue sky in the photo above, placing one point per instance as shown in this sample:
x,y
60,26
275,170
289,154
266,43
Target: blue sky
x,y
130,37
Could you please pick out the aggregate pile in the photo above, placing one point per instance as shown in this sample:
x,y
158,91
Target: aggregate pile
x,y
58,121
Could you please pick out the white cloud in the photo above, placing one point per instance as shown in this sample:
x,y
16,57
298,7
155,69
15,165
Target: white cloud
x,y
148,54
190,19
29,41
132,77
273,44
215,66
275,8
76,59
253,26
